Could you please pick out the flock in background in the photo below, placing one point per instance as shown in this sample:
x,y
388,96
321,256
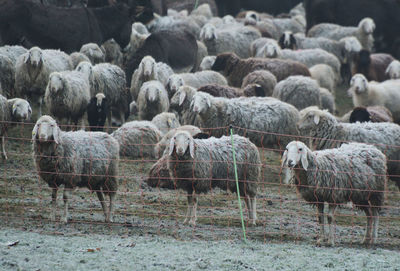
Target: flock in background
x,y
266,75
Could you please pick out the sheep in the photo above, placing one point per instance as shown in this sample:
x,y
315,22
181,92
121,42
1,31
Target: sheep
x,y
221,91
76,159
97,111
372,66
324,131
363,32
308,57
327,100
166,121
206,63
203,10
181,23
77,58
235,69
233,39
152,100
355,173
7,76
366,93
265,79
196,80
149,70
325,76
194,168
137,139
11,111
262,120
13,52
393,70
93,52
370,113
139,34
111,81
67,96
180,103
113,52
32,72
257,46
162,145
299,91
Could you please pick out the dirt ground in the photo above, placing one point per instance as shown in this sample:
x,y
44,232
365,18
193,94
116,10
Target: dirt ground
x,y
153,217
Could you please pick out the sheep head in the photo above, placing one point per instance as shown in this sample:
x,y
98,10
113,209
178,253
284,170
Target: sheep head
x,y
174,82
288,41
153,90
100,99
181,143
147,67
20,109
208,32
46,130
270,50
225,61
85,67
251,18
294,155
393,70
358,85
56,82
35,57
93,51
351,45
201,103
228,19
367,25
312,118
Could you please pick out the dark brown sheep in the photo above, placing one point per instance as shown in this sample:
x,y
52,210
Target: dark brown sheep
x,y
371,113
372,66
235,69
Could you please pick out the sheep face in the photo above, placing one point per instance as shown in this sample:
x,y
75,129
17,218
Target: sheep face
x,y
287,40
100,98
393,70
228,19
181,143
295,153
85,68
139,28
251,18
46,130
208,32
310,118
35,57
270,50
93,51
224,61
367,25
21,110
207,63
147,66
174,82
358,84
56,82
201,103
152,93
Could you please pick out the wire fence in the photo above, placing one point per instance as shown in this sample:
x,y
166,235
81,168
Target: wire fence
x,y
149,201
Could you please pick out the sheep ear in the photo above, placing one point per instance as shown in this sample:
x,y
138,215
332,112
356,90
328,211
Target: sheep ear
x,y
387,70
287,172
316,119
202,34
304,160
182,97
191,105
28,58
191,147
14,108
171,146
208,102
56,134
284,158
35,131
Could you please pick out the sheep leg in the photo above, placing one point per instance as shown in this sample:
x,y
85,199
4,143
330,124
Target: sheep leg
x,y
64,219
249,205
193,220
189,209
331,222
375,225
253,204
111,210
367,237
3,145
100,195
109,122
53,203
321,222
40,107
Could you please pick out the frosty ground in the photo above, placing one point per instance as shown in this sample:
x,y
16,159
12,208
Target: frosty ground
x,y
44,251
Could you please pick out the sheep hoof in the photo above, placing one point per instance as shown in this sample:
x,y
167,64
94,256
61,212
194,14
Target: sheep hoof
x,y
192,223
64,220
53,217
4,156
186,221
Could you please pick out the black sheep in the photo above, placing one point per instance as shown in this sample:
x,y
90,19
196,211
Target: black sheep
x,y
97,112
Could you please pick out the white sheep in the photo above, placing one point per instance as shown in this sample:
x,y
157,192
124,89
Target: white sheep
x,y
299,91
385,94
363,32
327,100
209,164
206,63
393,70
139,34
77,57
325,76
196,80
76,159
231,39
180,103
11,111
257,47
355,173
152,100
8,59
93,52
166,121
33,69
111,81
67,96
149,70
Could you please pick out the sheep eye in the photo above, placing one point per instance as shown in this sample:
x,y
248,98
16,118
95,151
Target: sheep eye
x,y
300,149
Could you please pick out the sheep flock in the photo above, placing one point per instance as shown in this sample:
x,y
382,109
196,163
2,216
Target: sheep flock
x,y
155,113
